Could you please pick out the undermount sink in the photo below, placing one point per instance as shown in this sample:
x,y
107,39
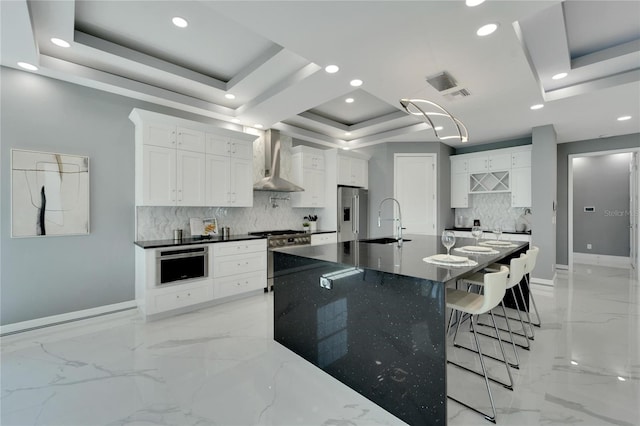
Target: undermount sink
x,y
385,240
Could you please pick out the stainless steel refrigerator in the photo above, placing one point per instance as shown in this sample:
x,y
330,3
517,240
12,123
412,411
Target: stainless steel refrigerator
x,y
353,213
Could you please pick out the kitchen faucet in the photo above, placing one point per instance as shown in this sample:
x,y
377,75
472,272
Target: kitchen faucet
x,y
398,220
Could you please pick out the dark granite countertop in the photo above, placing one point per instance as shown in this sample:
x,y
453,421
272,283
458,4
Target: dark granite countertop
x,y
322,231
489,231
151,244
405,260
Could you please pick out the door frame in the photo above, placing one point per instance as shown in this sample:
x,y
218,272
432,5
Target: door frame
x,y
570,193
434,176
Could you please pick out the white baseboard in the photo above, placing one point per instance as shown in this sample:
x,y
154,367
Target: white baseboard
x,y
62,318
602,260
562,267
543,281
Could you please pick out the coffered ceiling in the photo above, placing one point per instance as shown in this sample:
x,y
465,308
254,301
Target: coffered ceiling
x,y
271,56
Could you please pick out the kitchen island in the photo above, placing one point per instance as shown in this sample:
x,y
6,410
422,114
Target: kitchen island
x,y
373,316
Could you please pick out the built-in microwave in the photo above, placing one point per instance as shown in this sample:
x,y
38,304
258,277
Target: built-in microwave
x,y
173,265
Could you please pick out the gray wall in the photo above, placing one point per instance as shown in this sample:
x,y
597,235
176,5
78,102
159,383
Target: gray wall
x,y
48,276
631,141
601,182
494,145
381,175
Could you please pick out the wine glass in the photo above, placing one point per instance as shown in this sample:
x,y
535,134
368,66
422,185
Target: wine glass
x,y
476,231
448,240
497,231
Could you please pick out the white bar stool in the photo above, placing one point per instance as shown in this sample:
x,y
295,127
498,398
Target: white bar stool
x,y
532,254
495,285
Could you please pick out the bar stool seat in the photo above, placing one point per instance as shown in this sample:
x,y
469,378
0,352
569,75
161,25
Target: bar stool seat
x,y
476,304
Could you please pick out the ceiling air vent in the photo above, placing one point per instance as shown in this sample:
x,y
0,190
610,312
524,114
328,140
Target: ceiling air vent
x,y
442,81
462,93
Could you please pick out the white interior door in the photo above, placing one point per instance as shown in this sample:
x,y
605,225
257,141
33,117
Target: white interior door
x,y
415,189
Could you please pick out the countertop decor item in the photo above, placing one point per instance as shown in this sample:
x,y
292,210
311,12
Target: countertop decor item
x,y
312,220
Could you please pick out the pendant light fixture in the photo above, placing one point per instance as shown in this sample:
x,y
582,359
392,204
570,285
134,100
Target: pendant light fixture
x,y
429,111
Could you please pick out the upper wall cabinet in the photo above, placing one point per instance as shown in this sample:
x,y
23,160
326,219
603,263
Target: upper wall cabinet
x,y
503,170
308,171
182,163
353,171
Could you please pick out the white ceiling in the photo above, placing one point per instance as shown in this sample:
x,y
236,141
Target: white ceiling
x,y
271,55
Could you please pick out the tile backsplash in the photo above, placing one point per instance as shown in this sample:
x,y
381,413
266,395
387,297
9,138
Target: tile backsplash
x,y
158,223
492,209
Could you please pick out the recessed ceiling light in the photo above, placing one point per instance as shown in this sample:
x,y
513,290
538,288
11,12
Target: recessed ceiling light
x,y
347,134
536,106
346,148
179,22
574,363
474,3
624,118
622,379
349,100
258,126
235,120
356,82
332,69
60,42
27,66
559,76
230,96
485,30
438,128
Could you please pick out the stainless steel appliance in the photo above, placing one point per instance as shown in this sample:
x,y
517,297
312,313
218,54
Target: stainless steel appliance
x,y
278,239
353,213
182,264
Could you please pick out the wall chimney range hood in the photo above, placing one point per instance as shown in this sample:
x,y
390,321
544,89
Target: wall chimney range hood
x,y
272,180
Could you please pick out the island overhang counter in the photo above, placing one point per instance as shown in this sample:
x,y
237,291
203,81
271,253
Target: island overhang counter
x,y
373,316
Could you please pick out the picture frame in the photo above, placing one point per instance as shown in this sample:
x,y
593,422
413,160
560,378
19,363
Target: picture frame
x,y
210,227
50,194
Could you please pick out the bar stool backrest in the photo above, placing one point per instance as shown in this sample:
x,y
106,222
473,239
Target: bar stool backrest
x,y
533,255
517,269
495,286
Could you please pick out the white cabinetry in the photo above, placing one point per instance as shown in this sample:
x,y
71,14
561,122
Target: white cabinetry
x,y
174,168
330,237
308,171
229,172
504,170
353,171
239,267
170,175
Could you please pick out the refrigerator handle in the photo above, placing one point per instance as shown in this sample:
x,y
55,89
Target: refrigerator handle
x,y
356,215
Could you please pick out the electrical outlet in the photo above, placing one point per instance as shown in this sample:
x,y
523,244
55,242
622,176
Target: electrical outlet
x,y
326,283
589,246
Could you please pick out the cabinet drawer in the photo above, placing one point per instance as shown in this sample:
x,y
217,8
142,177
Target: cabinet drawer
x,y
317,239
190,140
238,284
240,247
239,264
178,299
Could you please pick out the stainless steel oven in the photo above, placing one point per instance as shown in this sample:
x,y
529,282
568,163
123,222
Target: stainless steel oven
x,y
278,239
183,264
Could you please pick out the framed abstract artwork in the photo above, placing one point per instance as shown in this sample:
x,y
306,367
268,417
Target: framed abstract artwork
x,y
49,194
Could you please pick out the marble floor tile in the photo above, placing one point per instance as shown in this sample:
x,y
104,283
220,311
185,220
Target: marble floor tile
x,y
220,366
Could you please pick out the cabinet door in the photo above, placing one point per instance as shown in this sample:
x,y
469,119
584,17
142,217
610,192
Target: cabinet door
x,y
359,172
521,159
312,161
478,164
218,145
159,134
158,176
521,187
459,190
317,177
241,149
459,165
190,140
241,182
500,162
344,171
190,178
218,185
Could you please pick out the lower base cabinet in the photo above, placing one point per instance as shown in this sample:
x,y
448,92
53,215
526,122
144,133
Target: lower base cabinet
x,y
234,268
